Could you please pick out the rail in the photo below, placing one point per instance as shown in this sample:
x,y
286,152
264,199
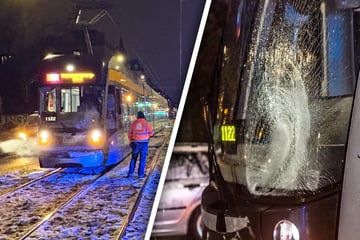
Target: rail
x,y
134,208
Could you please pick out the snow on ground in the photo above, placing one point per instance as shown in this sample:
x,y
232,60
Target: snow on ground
x,y
24,208
95,215
20,147
11,180
139,224
137,227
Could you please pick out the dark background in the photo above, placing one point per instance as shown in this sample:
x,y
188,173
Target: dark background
x,y
192,126
159,34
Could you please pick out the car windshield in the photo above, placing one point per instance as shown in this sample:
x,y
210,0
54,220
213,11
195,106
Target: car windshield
x,y
188,165
284,130
32,120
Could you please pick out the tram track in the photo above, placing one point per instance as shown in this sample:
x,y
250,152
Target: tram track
x,y
130,216
25,208
108,185
70,199
22,186
24,180
106,217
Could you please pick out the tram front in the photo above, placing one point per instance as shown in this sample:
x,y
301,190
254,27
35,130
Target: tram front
x,y
280,136
73,130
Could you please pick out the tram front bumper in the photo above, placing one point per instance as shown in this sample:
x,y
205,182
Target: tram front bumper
x,y
311,217
88,158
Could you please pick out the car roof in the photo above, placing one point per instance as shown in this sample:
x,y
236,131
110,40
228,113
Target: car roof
x,y
190,147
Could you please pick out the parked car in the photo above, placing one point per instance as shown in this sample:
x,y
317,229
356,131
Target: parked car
x,y
179,211
30,128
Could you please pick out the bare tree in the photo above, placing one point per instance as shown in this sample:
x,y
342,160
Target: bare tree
x,y
26,27
25,24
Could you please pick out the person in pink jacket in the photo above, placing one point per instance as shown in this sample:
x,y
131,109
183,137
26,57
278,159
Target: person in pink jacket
x,y
139,134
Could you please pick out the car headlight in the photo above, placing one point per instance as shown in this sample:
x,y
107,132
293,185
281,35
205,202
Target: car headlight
x,y
44,137
22,135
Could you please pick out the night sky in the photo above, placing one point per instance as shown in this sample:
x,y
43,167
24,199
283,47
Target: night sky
x,y
159,33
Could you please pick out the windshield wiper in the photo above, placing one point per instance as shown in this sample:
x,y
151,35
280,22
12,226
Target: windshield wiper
x,y
226,198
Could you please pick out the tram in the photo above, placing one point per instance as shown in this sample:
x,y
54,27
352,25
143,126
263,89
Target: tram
x,y
283,133
85,107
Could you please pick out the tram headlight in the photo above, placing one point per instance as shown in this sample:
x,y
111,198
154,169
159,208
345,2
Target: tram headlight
x,y
44,137
96,137
286,230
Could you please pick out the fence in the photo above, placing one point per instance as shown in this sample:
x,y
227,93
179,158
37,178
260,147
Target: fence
x,y
11,121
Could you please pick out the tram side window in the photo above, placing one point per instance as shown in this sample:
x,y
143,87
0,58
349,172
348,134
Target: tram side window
x,y
110,110
118,101
125,100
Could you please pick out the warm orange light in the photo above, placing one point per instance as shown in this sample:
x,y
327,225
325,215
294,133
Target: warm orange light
x,y
22,135
96,138
54,78
44,137
128,98
77,77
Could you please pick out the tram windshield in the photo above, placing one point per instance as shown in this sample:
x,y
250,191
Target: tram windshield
x,y
70,107
283,132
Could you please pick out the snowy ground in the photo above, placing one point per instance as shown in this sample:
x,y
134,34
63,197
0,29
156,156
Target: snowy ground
x,y
137,227
96,214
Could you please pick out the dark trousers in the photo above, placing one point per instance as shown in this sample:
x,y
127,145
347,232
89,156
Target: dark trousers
x,y
142,149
